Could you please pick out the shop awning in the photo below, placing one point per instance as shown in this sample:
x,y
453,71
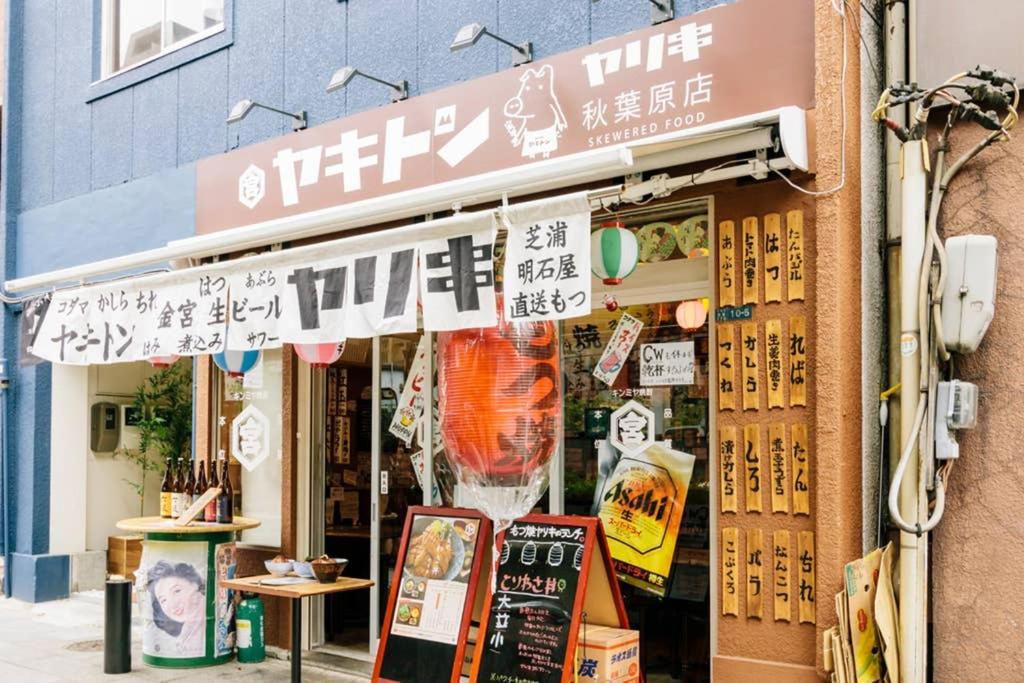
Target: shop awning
x,y
748,146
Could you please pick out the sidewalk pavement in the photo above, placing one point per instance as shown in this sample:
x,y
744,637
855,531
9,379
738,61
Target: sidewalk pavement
x,y
63,641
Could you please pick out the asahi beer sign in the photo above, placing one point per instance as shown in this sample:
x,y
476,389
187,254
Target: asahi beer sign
x,y
709,67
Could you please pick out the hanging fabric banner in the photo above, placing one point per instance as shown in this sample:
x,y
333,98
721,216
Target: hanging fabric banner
x,y
255,308
314,298
180,313
457,278
383,293
547,260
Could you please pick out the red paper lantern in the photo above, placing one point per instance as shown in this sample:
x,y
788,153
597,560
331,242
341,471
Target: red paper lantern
x,y
320,355
499,399
162,362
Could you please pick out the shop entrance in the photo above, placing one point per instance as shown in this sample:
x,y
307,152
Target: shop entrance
x,y
363,483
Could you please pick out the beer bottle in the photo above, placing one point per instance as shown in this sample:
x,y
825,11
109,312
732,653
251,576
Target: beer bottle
x,y
225,514
211,507
177,490
165,491
201,485
190,487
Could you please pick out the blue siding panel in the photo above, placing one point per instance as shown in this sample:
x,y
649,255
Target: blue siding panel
x,y
37,104
72,153
315,46
112,140
203,107
256,70
439,21
553,27
613,17
155,125
383,42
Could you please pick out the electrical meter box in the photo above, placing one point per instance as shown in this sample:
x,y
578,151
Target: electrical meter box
x,y
105,427
969,296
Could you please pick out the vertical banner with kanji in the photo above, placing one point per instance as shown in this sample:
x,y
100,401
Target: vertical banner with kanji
x,y
457,277
315,301
547,260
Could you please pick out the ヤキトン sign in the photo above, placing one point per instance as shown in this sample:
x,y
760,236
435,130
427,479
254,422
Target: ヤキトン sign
x,y
709,67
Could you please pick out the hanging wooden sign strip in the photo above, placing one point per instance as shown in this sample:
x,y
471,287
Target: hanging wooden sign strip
x,y
727,465
773,363
778,454
780,569
751,386
726,340
805,559
755,574
730,571
801,450
772,257
795,255
726,263
750,270
752,466
798,361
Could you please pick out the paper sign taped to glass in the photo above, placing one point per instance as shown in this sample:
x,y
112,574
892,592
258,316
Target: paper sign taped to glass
x,y
640,504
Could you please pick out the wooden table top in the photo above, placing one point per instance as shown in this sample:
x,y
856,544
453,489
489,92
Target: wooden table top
x,y
253,584
163,525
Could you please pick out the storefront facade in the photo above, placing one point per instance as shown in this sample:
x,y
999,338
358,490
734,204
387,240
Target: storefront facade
x,y
327,429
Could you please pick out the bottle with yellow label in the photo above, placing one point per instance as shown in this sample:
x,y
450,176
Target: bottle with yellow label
x,y
165,492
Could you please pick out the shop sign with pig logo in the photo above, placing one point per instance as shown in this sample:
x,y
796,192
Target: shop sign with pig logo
x,y
534,117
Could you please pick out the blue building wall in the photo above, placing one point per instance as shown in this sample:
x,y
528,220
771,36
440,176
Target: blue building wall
x,y
95,170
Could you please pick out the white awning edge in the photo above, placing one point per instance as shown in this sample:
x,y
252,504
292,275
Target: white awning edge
x,y
740,135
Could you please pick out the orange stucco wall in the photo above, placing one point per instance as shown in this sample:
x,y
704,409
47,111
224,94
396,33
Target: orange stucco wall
x,y
978,549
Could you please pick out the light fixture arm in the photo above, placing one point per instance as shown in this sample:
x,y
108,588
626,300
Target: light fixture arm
x,y
401,88
661,10
524,49
299,120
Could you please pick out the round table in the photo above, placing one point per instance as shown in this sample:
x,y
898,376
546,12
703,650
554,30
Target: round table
x,y
188,617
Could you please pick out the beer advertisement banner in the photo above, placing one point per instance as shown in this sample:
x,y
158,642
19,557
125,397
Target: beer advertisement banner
x,y
641,505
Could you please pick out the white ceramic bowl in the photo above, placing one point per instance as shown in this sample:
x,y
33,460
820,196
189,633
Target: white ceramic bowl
x,y
303,569
278,568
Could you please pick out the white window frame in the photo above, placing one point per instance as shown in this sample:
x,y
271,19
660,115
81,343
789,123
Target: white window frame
x,y
107,38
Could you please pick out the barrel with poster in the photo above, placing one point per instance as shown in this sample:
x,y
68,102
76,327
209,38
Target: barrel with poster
x,y
443,558
553,581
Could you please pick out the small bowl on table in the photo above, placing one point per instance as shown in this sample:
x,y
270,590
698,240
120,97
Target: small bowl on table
x,y
327,570
278,569
304,569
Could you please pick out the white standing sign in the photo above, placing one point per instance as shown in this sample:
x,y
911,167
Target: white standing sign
x,y
547,260
666,364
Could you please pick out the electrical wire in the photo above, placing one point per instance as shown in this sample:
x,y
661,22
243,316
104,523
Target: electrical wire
x,y
840,8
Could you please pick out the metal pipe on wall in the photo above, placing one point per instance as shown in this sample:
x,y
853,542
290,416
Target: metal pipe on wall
x,y
913,548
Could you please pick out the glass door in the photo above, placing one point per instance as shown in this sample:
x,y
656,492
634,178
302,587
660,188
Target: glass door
x,y
401,380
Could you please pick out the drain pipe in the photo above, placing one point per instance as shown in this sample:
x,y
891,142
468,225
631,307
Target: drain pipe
x,y
913,547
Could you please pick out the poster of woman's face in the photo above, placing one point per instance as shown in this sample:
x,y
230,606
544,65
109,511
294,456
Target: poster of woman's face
x,y
174,600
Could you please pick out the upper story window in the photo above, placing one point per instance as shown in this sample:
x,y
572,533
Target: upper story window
x,y
138,31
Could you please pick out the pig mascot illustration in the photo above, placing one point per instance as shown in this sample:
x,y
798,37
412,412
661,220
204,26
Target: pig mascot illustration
x,y
535,118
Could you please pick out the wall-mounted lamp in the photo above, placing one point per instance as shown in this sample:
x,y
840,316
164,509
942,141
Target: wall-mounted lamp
x,y
243,107
470,33
341,77
661,10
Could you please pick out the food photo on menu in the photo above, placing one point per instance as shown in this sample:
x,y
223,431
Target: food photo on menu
x,y
435,578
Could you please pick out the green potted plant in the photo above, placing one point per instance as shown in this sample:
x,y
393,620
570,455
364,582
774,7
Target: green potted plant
x,y
162,409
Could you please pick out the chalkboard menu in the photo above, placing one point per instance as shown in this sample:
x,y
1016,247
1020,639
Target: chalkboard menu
x,y
547,573
432,595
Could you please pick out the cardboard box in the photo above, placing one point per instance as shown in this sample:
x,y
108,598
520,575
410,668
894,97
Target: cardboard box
x,y
124,553
608,655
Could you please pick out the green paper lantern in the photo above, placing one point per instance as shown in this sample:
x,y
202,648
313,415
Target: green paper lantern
x,y
614,252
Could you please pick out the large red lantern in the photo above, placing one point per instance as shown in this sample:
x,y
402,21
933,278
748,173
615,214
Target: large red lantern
x,y
499,401
320,355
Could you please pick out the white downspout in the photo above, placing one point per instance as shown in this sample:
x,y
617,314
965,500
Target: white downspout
x,y
913,548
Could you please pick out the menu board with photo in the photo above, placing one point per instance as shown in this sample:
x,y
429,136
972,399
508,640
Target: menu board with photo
x,y
429,609
550,571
